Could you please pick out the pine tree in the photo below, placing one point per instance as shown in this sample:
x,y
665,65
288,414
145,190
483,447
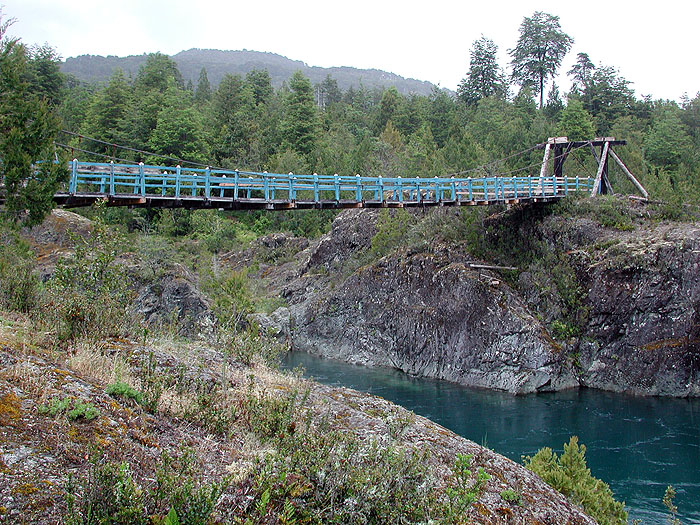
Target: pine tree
x,y
108,115
300,124
28,127
575,122
485,78
203,92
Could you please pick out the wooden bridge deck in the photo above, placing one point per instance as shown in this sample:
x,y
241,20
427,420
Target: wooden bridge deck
x,y
177,187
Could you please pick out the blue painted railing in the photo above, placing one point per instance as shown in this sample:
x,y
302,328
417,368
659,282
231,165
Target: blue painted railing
x,y
111,179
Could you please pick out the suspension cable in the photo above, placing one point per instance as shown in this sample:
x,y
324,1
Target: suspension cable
x,y
135,150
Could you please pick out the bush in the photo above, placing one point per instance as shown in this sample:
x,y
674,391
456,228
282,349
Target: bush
x,y
89,294
80,410
18,280
569,475
123,390
110,495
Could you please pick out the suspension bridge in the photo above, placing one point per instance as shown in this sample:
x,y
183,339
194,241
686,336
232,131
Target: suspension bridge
x,y
140,185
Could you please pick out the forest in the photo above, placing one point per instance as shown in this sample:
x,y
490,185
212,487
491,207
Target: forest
x,y
244,123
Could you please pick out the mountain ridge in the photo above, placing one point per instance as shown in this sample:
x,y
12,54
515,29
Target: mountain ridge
x,y
97,68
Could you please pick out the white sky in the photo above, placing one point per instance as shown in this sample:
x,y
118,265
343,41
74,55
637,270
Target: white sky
x,y
653,45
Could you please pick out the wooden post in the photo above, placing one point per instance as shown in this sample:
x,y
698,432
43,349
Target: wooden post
x,y
601,168
631,177
543,170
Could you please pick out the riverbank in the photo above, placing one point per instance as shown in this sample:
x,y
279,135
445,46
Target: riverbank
x,y
97,424
638,445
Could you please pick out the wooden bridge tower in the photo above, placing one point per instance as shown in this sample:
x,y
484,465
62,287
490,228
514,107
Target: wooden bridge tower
x,y
562,146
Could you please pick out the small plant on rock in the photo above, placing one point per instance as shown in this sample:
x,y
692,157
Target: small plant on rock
x,y
124,390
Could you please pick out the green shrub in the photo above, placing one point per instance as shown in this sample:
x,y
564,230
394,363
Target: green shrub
x,y
55,406
463,491
392,230
569,475
89,294
511,496
332,477
19,283
177,490
80,409
83,410
123,390
110,495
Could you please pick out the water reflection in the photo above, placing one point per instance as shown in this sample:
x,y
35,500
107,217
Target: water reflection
x,y
637,445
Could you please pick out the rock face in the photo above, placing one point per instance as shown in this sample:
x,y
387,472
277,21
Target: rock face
x,y
427,312
174,298
644,295
428,316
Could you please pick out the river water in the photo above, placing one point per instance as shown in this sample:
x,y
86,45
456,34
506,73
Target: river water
x,y
637,445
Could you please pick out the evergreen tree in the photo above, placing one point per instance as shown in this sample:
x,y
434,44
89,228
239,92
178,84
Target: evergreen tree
x,y
575,122
235,121
179,132
203,92
44,74
608,97
554,104
259,80
441,115
300,125
151,83
28,127
388,106
581,73
541,47
667,144
108,115
485,78
331,91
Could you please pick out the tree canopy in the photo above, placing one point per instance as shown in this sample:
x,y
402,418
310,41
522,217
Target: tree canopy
x,y
28,126
540,50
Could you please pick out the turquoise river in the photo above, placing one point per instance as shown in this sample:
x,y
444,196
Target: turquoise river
x,y
638,445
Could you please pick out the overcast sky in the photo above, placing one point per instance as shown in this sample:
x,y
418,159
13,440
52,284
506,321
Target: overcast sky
x,y
656,49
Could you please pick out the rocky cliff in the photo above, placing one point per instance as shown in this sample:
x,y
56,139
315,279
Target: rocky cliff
x,y
594,303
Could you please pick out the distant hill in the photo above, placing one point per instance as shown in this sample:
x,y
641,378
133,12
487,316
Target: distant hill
x,y
92,68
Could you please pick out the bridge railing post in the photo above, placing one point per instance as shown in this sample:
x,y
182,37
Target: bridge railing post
x,y
178,171
316,196
437,189
380,190
111,177
336,185
454,188
399,184
235,185
266,187
207,182
358,188
554,185
142,179
72,187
